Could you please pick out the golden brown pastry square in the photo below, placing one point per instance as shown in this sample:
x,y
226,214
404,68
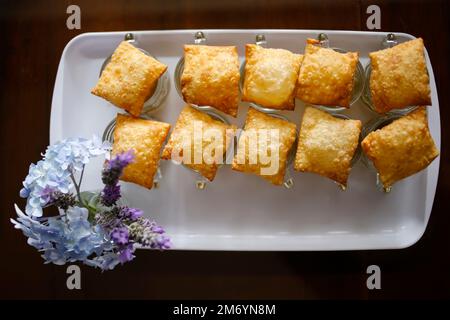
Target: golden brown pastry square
x,y
145,138
401,148
257,146
326,76
326,145
195,129
271,77
211,77
129,78
399,77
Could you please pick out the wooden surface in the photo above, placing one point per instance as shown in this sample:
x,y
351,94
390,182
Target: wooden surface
x,y
34,34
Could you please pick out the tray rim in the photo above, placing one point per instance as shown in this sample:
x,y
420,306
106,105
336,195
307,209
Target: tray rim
x,y
432,175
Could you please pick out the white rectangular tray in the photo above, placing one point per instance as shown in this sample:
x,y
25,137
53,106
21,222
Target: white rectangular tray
x,y
239,211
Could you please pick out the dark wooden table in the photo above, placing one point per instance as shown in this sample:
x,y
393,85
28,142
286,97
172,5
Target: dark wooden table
x,y
34,34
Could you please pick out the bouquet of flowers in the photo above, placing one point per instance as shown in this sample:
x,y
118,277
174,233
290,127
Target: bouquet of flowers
x,y
95,228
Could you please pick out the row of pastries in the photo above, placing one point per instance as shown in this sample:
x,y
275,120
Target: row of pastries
x,y
273,78
325,144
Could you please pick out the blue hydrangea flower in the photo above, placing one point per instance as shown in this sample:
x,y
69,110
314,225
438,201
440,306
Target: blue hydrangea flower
x,y
107,261
74,153
69,238
53,173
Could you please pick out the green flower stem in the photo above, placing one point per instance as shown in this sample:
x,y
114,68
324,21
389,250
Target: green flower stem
x,y
77,188
81,177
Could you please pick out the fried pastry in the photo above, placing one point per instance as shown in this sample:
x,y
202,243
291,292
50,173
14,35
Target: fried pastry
x,y
271,77
326,145
211,77
145,138
326,76
264,146
401,148
399,77
195,134
129,78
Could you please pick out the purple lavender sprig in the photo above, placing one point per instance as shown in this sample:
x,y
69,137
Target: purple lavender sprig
x,y
120,236
131,214
126,227
110,195
110,176
148,234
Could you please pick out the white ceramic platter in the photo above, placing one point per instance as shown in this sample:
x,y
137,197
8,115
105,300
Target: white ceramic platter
x,y
240,211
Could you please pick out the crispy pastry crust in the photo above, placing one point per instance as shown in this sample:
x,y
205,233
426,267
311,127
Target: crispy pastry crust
x,y
401,148
257,120
327,145
211,77
146,138
399,77
129,78
271,77
185,128
326,76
